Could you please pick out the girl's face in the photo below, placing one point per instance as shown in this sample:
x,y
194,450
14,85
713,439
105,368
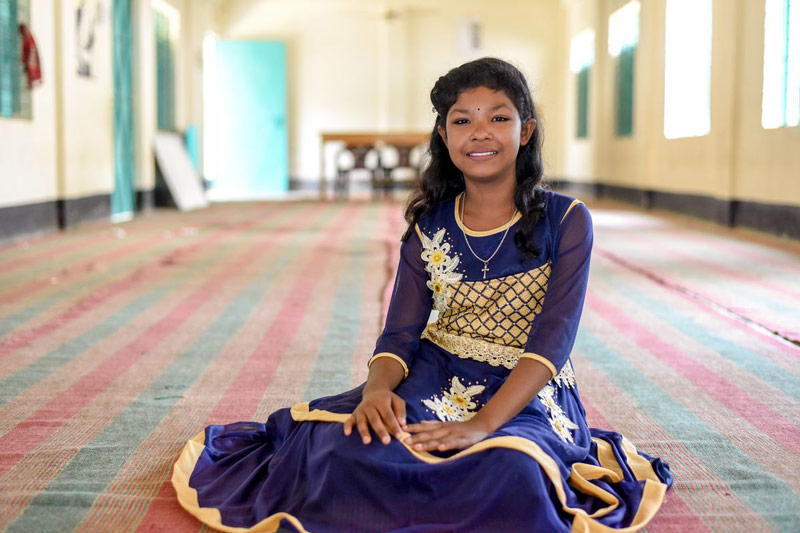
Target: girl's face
x,y
483,135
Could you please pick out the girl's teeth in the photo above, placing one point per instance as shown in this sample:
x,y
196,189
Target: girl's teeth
x,y
482,153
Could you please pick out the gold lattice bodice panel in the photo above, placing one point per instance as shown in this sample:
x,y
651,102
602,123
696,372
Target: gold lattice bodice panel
x,y
499,310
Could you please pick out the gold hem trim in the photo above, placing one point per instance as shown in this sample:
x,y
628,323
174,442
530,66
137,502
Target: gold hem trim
x,y
652,495
301,413
392,356
546,362
486,233
573,204
187,496
581,473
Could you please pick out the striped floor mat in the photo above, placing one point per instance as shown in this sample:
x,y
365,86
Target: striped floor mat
x,y
119,343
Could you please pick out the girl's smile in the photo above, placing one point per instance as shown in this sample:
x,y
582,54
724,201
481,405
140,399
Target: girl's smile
x,y
482,156
483,132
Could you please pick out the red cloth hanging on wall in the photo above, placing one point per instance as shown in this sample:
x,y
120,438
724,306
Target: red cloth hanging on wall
x,y
30,57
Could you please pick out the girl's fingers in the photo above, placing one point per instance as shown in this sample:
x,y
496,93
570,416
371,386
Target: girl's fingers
x,y
399,407
377,426
348,425
430,436
453,444
390,420
425,425
363,428
449,443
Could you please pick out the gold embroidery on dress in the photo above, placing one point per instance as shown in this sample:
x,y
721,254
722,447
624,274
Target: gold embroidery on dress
x,y
441,268
476,349
455,405
489,320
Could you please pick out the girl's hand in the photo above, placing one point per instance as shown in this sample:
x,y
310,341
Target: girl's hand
x,y
441,436
382,409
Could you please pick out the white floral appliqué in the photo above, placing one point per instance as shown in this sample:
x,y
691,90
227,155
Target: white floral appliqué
x,y
559,420
441,268
455,405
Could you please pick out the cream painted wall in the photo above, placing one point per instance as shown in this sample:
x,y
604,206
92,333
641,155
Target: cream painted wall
x,y
333,67
66,151
579,154
696,165
393,112
360,65
624,160
196,19
766,162
738,159
28,147
87,112
144,97
528,34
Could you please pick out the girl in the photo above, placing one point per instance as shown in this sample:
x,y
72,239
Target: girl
x,y
477,416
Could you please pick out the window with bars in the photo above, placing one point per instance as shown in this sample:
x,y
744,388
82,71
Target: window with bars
x,y
623,38
165,68
581,59
15,96
780,105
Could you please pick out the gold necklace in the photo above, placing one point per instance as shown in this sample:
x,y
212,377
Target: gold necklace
x,y
485,262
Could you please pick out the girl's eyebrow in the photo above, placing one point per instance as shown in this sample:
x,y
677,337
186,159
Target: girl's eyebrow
x,y
466,111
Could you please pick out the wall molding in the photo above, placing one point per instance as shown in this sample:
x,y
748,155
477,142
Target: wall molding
x,y
21,221
145,200
780,220
74,211
25,220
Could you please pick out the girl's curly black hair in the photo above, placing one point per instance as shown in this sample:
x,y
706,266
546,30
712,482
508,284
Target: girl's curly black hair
x,y
441,180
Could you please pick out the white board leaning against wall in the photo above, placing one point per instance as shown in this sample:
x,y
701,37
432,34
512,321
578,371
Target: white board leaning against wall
x,y
178,171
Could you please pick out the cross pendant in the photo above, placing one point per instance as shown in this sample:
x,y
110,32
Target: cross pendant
x,y
485,269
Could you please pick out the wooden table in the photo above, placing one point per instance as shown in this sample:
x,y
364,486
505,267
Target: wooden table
x,y
369,139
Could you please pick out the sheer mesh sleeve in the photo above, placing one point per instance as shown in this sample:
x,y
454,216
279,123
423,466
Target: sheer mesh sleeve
x,y
553,330
409,307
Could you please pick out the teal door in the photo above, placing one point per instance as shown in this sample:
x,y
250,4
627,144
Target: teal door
x,y
247,128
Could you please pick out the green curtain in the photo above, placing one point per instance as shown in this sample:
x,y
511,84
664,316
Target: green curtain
x,y
165,74
582,82
10,67
624,91
122,198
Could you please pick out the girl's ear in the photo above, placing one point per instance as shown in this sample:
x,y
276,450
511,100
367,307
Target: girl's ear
x,y
442,134
527,131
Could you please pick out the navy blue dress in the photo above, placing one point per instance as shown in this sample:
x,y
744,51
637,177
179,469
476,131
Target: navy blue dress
x,y
458,326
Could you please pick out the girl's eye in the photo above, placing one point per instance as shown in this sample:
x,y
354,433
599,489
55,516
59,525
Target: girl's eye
x,y
460,121
500,119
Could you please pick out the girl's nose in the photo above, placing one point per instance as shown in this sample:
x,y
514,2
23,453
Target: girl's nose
x,y
480,132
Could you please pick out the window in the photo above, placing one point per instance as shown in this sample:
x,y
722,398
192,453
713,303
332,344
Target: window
x,y
166,29
581,59
781,98
15,96
623,37
687,75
